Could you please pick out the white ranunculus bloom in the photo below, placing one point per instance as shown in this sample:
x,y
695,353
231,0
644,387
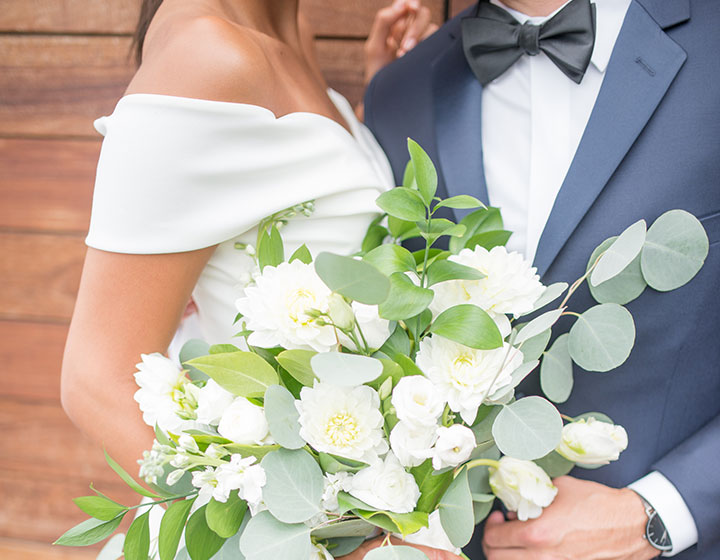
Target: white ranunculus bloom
x,y
592,442
522,486
463,375
243,475
454,446
417,402
165,395
244,423
510,285
412,445
433,536
334,484
212,402
344,421
387,486
276,309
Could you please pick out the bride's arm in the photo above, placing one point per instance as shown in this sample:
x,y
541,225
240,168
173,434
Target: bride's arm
x,y
126,305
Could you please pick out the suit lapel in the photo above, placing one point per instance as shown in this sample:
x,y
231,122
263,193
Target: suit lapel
x,y
644,63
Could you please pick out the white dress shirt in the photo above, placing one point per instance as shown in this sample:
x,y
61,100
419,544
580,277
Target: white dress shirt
x,y
533,117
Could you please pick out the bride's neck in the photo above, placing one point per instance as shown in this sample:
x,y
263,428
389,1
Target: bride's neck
x,y
277,18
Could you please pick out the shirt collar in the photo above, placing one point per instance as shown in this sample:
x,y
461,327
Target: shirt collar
x,y
610,17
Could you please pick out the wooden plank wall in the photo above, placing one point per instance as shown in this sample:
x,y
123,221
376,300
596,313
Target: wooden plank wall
x,y
62,64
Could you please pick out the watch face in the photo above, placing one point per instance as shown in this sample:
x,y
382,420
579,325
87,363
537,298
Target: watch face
x,y
657,534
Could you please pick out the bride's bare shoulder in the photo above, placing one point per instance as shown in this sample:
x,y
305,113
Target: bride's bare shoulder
x,y
202,56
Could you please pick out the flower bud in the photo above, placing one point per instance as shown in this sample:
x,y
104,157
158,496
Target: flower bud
x,y
454,446
174,477
592,442
340,312
522,486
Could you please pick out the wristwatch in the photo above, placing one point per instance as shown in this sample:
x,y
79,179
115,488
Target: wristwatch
x,y
655,531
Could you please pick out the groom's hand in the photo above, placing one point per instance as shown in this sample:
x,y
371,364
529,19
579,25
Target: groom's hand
x,y
587,521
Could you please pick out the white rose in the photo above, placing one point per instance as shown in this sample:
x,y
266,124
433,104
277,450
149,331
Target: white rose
x,y
212,402
464,376
344,421
522,486
411,445
433,536
243,475
592,442
277,309
417,402
454,446
387,486
244,423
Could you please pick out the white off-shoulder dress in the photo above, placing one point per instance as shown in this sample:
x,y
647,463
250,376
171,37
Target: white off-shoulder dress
x,y
177,174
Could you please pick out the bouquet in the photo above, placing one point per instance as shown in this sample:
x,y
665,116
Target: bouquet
x,y
375,393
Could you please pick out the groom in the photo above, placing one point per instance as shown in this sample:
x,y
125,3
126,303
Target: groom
x,y
578,119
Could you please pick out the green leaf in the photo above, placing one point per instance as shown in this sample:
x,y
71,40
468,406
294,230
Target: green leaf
x,y
468,325
434,254
424,171
100,507
194,348
481,510
301,254
556,371
439,227
89,532
392,552
297,364
171,528
599,416
484,219
374,238
409,367
403,523
397,343
399,228
352,278
624,287
225,518
347,502
270,251
346,370
294,488
555,464
137,540
419,323
390,258
675,250
409,176
129,480
405,300
344,529
528,429
538,325
267,538
534,347
620,253
489,239
444,270
456,511
432,486
282,417
333,464
223,349
242,373
257,451
482,428
601,339
201,541
391,370
402,203
551,293
462,201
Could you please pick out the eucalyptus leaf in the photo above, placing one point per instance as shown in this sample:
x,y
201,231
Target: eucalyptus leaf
x,y
599,416
555,464
528,429
424,171
551,293
99,507
171,528
392,552
444,270
390,258
194,348
620,253
225,518
462,201
333,464
344,529
301,254
481,510
403,203
137,540
556,371
538,325
601,339
675,250
405,299
482,427
242,373
346,370
342,546
468,325
265,537
622,288
294,488
89,532
297,364
534,347
282,417
456,511
201,541
355,279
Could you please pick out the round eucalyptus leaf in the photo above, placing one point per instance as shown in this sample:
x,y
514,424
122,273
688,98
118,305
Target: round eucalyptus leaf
x,y
342,546
352,278
551,293
392,552
555,464
534,347
620,253
294,488
556,373
675,250
599,416
622,288
601,339
481,510
538,325
456,510
282,417
265,537
528,429
347,370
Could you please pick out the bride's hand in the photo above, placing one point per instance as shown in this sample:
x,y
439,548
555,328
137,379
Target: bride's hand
x,y
431,553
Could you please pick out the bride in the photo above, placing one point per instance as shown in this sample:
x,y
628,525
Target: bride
x,y
227,121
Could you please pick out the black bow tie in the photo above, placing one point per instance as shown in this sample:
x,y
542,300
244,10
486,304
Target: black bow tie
x,y
494,40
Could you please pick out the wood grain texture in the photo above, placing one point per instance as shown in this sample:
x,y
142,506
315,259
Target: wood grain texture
x,y
46,185
349,18
40,275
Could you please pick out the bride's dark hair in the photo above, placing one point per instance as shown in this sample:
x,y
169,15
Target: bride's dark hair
x,y
147,12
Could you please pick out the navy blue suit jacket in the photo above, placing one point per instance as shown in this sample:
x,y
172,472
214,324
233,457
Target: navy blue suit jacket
x,y
652,144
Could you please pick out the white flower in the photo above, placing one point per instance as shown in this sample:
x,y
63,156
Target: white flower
x,y
522,486
244,423
412,446
463,375
387,486
243,475
206,481
319,552
278,309
417,402
454,446
334,484
174,477
212,402
433,536
510,285
215,451
340,312
592,442
344,421
187,443
162,394
151,465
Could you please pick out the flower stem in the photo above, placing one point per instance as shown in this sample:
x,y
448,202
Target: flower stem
x,y
482,463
